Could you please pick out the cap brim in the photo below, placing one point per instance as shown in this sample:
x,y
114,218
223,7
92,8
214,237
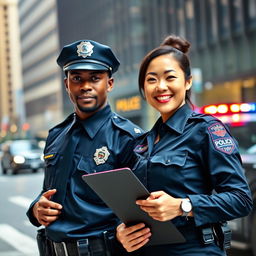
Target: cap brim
x,y
86,66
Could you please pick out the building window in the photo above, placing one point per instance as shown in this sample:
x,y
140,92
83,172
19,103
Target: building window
x,y
250,13
170,9
180,26
41,105
211,20
198,5
190,17
236,15
223,18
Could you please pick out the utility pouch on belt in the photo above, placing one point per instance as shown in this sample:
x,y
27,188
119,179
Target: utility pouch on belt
x,y
108,240
113,247
41,241
223,233
43,244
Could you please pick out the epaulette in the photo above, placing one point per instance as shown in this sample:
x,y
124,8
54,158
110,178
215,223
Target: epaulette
x,y
126,125
204,117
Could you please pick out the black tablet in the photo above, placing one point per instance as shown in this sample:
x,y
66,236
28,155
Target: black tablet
x,y
119,189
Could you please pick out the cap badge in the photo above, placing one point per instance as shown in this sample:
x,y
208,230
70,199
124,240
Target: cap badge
x,y
101,155
85,49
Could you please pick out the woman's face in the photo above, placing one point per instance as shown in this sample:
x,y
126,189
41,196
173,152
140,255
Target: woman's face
x,y
165,85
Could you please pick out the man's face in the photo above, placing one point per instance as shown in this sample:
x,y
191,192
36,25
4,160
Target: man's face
x,y
88,90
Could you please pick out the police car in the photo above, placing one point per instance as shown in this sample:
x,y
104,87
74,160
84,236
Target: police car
x,y
241,120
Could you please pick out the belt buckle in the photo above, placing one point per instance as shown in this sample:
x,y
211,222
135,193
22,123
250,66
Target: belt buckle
x,y
208,236
60,248
83,247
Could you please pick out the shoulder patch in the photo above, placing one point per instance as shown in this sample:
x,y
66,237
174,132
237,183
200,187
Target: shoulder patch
x,y
221,139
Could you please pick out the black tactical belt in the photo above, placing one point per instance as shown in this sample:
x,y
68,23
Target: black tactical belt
x,y
82,247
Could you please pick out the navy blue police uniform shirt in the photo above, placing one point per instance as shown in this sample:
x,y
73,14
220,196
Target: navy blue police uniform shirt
x,y
195,156
105,142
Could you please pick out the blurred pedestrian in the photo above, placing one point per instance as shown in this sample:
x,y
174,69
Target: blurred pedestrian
x,y
92,139
188,161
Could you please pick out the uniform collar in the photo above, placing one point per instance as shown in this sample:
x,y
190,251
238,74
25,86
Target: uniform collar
x,y
96,121
179,119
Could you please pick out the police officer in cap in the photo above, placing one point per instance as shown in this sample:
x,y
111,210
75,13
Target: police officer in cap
x,y
92,139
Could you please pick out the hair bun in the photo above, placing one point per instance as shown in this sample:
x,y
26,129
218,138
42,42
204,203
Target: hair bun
x,y
176,42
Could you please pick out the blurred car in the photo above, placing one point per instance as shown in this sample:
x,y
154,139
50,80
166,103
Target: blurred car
x,y
252,149
20,155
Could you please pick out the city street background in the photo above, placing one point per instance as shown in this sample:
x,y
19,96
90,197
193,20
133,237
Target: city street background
x,y
33,97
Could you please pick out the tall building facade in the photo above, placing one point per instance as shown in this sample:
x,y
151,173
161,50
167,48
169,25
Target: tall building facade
x,y
41,76
222,34
11,99
223,53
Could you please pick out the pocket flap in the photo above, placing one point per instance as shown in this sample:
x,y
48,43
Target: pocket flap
x,y
178,158
83,165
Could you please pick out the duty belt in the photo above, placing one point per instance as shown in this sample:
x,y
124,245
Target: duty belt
x,y
218,233
82,247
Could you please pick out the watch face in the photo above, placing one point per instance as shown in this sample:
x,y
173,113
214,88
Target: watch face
x,y
186,206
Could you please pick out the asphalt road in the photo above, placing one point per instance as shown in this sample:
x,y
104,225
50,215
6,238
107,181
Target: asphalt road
x,y
17,235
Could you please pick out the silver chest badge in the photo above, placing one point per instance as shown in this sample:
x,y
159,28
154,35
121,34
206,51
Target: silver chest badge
x,y
101,155
85,49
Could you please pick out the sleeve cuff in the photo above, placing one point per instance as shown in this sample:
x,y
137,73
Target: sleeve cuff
x,y
31,216
199,217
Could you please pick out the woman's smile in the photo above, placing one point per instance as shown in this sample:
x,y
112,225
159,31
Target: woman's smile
x,y
163,98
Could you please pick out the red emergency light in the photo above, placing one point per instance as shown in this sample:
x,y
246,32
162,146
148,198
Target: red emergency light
x,y
229,108
235,114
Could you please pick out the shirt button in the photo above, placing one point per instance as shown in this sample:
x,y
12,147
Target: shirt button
x,y
168,161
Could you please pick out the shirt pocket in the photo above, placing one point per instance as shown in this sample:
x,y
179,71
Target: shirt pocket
x,y
167,170
50,159
176,159
86,166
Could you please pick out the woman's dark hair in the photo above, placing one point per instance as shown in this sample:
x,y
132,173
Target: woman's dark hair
x,y
177,47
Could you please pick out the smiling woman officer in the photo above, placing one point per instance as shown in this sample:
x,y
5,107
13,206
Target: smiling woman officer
x,y
92,139
188,161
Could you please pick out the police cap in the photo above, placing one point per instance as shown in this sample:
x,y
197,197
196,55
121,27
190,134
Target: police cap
x,y
88,55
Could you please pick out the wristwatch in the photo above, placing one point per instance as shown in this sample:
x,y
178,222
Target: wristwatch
x,y
186,207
